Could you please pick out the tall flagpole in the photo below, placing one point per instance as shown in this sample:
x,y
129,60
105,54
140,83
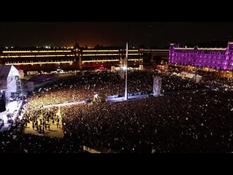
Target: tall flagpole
x,y
126,72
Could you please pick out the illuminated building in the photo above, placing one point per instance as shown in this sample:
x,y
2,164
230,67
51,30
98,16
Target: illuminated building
x,y
69,59
213,58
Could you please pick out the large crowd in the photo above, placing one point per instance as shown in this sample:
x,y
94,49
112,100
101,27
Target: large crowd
x,y
80,87
188,117
42,120
181,123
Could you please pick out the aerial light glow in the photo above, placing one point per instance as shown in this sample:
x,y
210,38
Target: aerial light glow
x,y
47,47
124,68
135,59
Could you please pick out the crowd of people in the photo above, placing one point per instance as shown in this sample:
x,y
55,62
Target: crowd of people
x,y
41,120
80,87
181,123
188,117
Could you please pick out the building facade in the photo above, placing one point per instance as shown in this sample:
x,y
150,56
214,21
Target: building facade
x,y
215,58
35,59
68,59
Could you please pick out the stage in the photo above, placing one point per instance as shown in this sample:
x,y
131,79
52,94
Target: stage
x,y
12,112
134,96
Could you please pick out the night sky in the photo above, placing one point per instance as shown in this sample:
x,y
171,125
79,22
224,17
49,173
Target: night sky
x,y
149,34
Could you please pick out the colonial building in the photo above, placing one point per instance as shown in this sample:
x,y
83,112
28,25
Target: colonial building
x,y
216,58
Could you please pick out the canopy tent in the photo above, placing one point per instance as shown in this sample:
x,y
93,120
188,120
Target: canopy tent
x,y
9,80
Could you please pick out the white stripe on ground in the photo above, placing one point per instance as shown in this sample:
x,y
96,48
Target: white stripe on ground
x,y
64,104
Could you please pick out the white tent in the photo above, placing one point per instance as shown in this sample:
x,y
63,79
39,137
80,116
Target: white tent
x,y
9,80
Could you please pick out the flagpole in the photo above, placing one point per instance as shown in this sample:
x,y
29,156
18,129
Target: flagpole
x,y
126,72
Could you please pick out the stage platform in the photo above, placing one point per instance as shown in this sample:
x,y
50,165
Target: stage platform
x,y
12,109
134,96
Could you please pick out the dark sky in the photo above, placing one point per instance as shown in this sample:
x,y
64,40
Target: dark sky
x,y
111,33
